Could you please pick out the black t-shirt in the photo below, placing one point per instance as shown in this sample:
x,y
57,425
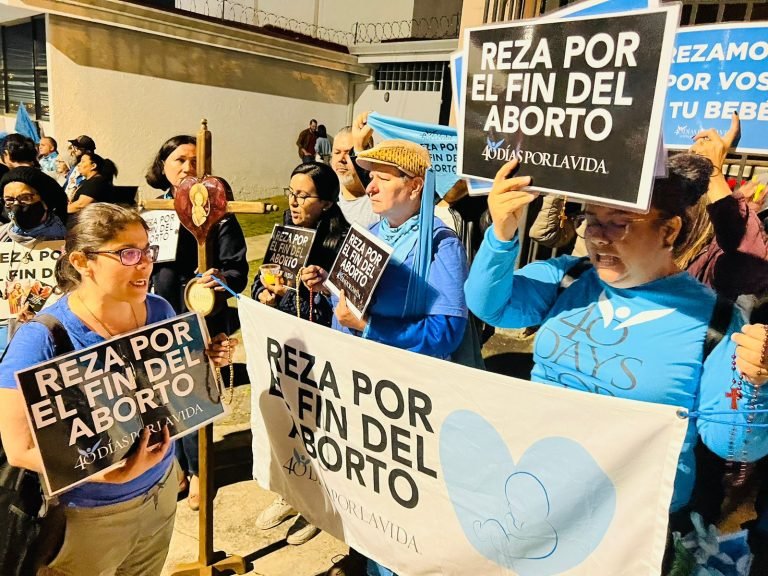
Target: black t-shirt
x,y
98,188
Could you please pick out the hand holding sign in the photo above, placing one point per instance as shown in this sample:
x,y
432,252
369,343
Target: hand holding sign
x,y
345,316
507,200
142,459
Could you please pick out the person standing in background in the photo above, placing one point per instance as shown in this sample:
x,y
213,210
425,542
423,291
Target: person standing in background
x,y
323,145
306,142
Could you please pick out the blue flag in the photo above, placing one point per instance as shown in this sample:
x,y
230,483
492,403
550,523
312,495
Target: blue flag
x,y
440,141
24,124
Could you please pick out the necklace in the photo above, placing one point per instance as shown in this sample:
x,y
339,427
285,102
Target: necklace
x,y
298,297
99,322
738,477
220,383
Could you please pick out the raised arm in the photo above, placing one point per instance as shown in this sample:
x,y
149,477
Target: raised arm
x,y
495,292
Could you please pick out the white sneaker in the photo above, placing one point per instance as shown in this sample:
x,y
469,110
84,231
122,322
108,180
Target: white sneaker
x,y
301,531
274,514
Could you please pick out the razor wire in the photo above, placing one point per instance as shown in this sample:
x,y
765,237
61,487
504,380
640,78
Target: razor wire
x,y
431,28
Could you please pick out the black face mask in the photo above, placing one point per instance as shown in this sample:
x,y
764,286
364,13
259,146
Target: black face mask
x,y
27,216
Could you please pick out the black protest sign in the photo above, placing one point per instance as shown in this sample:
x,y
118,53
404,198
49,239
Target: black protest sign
x,y
289,248
87,408
358,267
578,103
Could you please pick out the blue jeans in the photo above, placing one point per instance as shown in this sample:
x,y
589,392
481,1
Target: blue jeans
x,y
186,451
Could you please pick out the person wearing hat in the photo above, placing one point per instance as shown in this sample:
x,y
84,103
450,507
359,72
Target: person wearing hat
x,y
77,147
37,208
418,304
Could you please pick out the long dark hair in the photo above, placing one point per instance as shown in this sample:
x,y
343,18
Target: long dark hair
x,y
679,193
156,174
332,226
104,166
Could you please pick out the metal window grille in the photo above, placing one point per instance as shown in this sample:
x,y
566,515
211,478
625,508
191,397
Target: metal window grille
x,y
411,76
23,68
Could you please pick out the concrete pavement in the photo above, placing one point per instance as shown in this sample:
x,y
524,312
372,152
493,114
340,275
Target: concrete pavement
x,y
238,502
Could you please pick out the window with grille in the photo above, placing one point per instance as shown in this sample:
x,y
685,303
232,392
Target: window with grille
x,y
413,76
23,68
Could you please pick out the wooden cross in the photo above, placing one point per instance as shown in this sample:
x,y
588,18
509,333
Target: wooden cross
x,y
735,395
201,202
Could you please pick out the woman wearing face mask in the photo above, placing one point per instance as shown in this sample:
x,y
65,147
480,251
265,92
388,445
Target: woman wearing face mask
x,y
37,208
175,161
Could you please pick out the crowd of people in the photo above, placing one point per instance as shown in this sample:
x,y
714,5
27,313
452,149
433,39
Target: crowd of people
x,y
685,264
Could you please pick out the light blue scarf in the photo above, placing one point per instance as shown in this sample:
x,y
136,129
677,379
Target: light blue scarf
x,y
416,231
51,229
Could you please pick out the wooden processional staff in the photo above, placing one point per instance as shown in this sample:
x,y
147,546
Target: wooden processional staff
x,y
201,202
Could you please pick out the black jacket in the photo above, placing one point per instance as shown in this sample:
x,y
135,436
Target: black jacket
x,y
227,253
323,253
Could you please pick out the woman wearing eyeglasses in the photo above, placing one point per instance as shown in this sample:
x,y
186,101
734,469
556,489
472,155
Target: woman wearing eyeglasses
x,y
122,521
312,203
175,161
628,322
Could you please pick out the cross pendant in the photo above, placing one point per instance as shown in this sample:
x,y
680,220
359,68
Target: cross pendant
x,y
735,395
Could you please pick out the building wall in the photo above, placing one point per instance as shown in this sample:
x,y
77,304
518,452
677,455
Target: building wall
x,y
418,106
131,91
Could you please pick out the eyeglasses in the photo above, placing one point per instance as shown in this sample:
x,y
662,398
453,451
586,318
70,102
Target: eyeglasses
x,y
28,198
300,199
611,231
132,256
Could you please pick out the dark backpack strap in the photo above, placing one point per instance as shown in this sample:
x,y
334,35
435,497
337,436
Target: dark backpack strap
x,y
718,324
61,340
574,273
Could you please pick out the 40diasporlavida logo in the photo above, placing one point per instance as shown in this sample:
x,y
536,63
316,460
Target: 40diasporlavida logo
x,y
495,150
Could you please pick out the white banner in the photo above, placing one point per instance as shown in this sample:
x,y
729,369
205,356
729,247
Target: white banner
x,y
433,468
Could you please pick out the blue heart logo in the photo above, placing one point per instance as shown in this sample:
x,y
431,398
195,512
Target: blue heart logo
x,y
542,516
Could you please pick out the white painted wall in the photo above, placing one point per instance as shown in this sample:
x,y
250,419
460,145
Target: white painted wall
x,y
418,106
132,115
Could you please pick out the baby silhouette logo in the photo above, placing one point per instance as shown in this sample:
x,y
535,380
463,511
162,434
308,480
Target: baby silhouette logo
x,y
540,516
624,315
494,145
